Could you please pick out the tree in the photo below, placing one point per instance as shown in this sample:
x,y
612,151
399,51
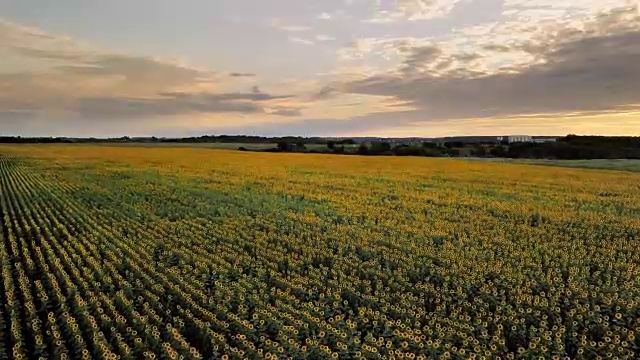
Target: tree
x,y
479,151
499,151
284,146
378,147
363,149
453,144
338,150
453,152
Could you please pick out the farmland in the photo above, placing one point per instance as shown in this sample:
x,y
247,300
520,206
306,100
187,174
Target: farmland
x,y
167,252
608,164
206,145
218,145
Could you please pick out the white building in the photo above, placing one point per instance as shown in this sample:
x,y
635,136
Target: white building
x,y
516,138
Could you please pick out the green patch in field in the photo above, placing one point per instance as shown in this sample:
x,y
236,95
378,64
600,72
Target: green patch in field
x,y
146,195
425,186
494,194
607,207
307,173
630,165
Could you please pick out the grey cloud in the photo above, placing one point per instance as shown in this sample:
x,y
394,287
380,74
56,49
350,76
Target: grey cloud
x,y
420,56
615,21
94,86
138,71
592,73
135,70
498,48
467,57
28,91
255,95
431,58
128,108
16,103
236,74
175,103
326,92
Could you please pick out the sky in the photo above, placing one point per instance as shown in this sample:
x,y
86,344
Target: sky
x,y
400,68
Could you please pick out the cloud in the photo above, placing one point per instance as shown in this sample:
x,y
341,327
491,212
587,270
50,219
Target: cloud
x,y
387,48
293,112
326,92
596,69
299,40
419,56
61,58
280,25
498,48
412,10
516,41
334,15
136,75
76,81
235,74
93,91
322,37
32,42
167,104
255,95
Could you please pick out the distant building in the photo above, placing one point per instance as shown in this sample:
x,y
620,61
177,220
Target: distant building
x,y
515,138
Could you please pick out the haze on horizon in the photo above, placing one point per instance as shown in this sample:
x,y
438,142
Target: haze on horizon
x,y
319,68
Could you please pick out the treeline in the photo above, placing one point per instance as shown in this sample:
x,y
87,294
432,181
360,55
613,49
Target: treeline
x,y
241,139
579,147
245,139
571,147
28,140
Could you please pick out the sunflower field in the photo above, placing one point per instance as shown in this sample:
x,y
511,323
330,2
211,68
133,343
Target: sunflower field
x,y
193,253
